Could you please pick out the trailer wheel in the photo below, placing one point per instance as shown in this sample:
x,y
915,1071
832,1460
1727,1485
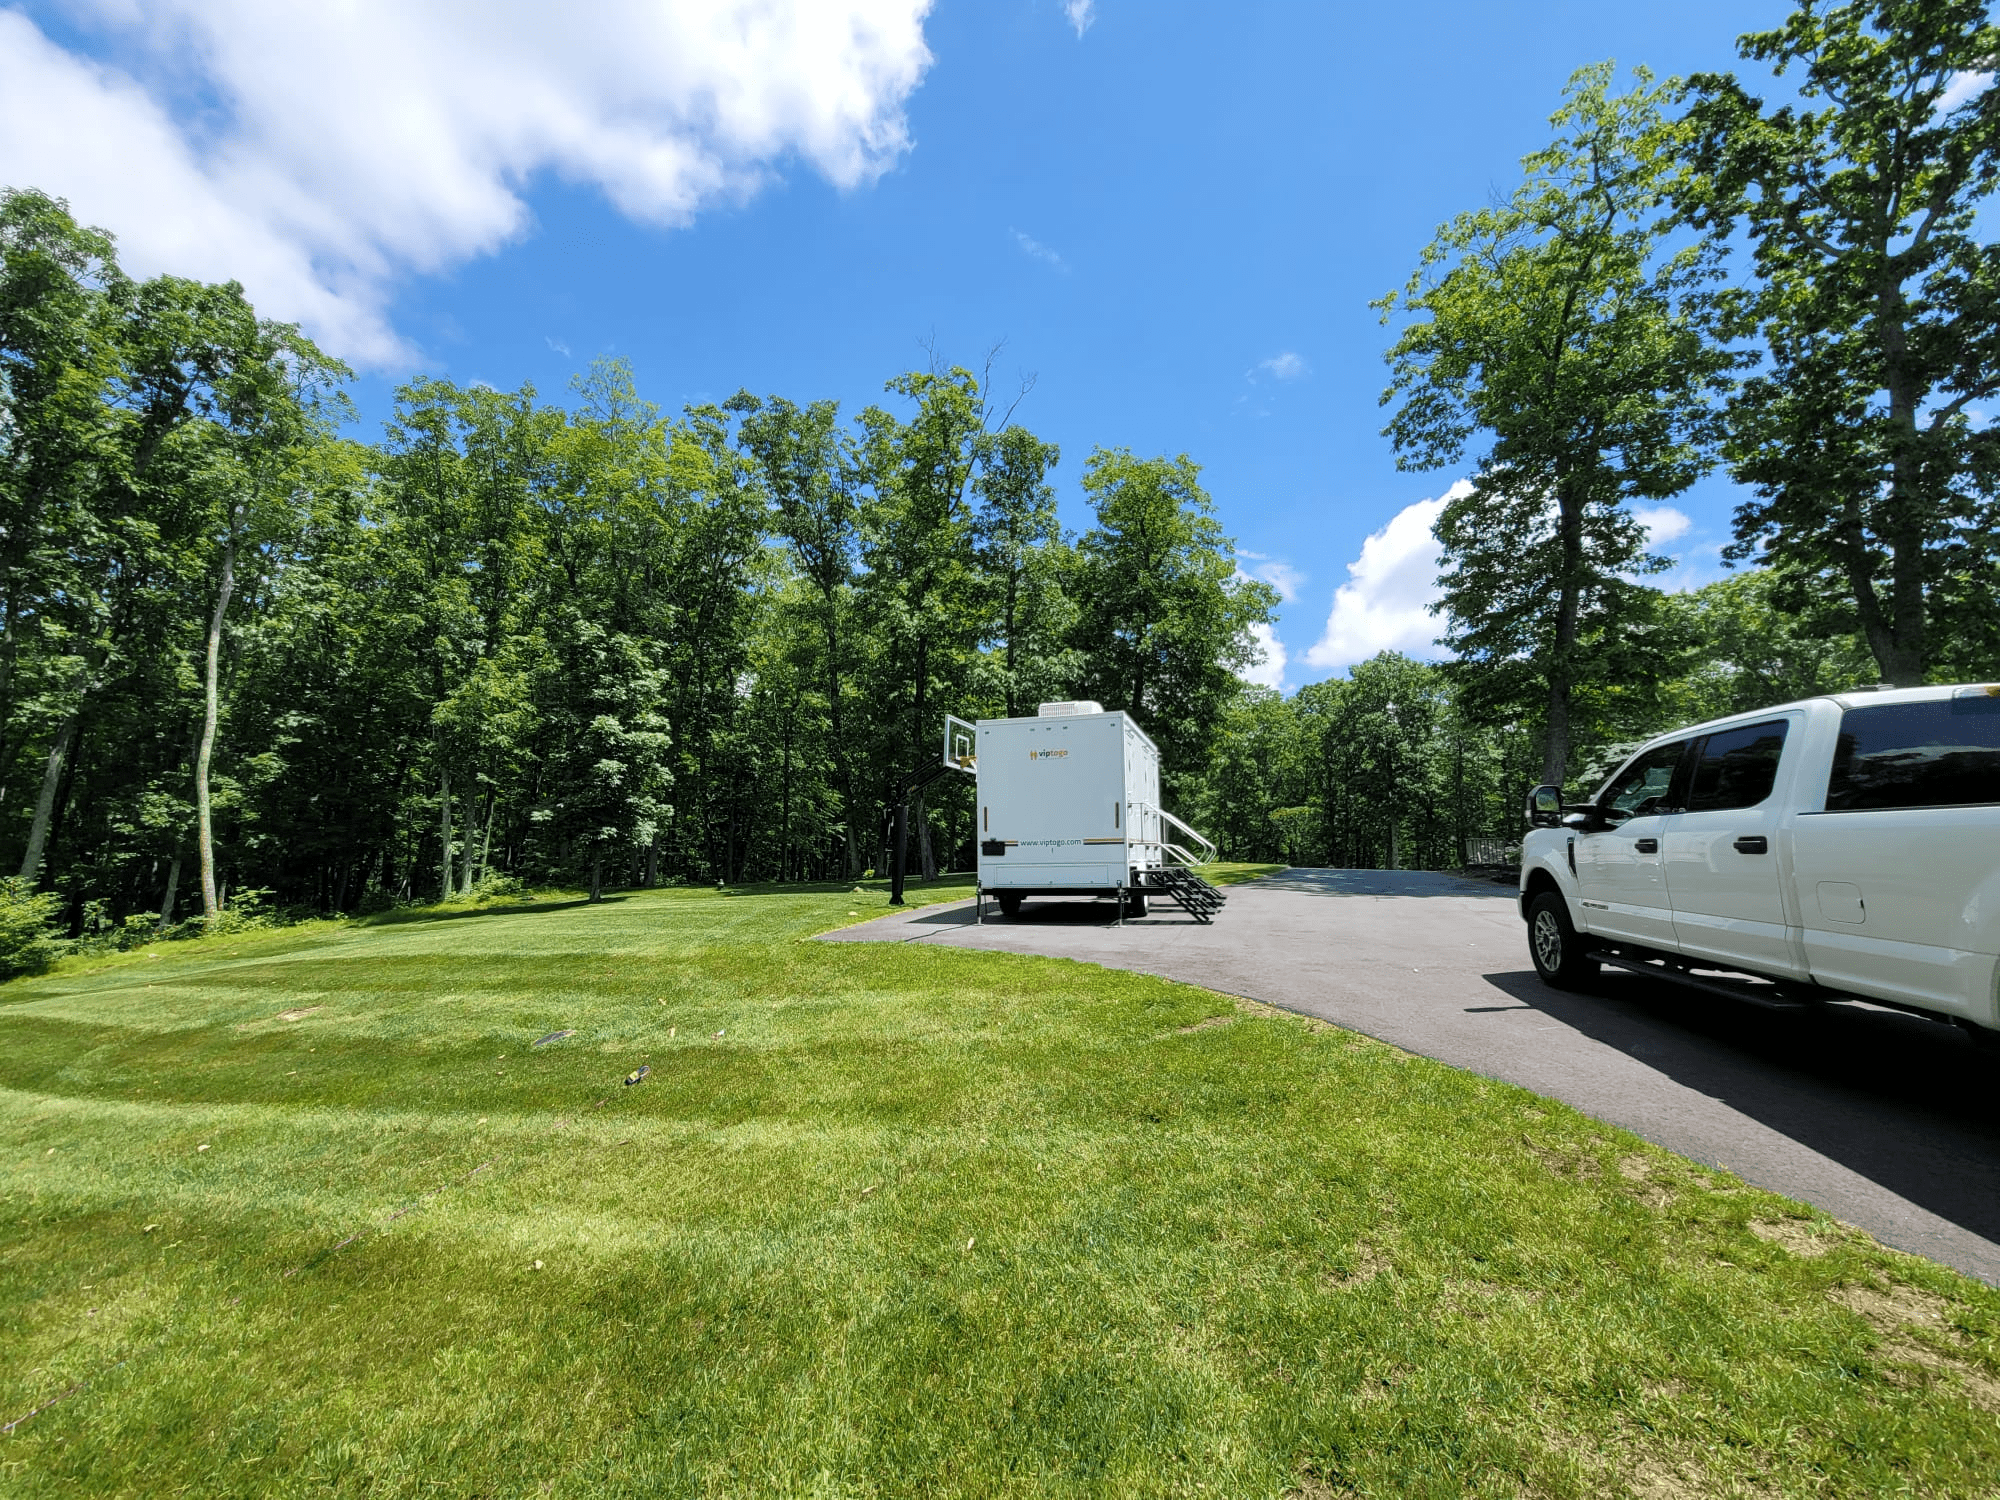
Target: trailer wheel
x,y
1555,946
1135,901
1010,906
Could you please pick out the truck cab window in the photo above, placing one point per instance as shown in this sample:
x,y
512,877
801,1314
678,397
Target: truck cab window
x,y
1736,767
1643,786
1941,753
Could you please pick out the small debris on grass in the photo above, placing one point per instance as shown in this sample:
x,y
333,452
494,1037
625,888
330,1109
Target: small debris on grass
x,y
968,1244
672,1031
638,1074
719,1033
869,1192
482,1119
294,1015
202,1147
149,1229
553,1036
538,1265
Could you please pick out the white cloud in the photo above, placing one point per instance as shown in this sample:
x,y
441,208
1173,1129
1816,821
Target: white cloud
x,y
1036,250
1081,13
1385,605
1286,366
1282,576
1269,669
1963,86
1663,523
319,154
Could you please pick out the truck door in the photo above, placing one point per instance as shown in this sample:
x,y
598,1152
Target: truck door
x,y
1899,876
1721,852
1618,871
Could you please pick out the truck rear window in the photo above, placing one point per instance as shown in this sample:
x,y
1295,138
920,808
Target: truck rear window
x,y
1944,753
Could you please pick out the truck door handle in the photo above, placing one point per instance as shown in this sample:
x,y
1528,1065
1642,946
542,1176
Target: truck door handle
x,y
1753,843
1646,846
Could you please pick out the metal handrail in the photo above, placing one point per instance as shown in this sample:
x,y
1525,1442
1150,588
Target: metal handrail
x,y
1184,856
1193,833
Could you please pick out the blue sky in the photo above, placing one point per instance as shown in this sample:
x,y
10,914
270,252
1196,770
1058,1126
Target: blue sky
x,y
1174,215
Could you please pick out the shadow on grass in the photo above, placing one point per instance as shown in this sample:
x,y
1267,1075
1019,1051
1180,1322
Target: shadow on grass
x,y
412,916
1905,1102
957,880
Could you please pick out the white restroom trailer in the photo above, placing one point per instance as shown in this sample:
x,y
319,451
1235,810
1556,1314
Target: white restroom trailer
x,y
1069,805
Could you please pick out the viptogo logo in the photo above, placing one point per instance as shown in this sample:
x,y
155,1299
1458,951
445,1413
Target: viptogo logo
x,y
1047,754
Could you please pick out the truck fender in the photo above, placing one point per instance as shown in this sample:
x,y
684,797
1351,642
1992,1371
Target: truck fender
x,y
1547,875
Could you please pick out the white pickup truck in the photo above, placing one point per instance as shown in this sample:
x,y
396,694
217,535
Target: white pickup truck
x,y
1841,846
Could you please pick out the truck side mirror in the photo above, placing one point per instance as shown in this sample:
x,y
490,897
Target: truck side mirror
x,y
1585,820
1545,805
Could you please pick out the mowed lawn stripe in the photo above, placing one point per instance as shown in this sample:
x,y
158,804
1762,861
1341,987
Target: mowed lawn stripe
x,y
884,1219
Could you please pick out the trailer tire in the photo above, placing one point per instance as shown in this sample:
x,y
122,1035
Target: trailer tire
x,y
1010,906
1135,902
1554,945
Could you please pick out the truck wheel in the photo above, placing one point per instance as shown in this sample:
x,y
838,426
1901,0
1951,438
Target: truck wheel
x,y
1010,906
1555,946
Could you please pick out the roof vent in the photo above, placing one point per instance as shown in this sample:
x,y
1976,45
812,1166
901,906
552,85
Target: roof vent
x,y
1069,710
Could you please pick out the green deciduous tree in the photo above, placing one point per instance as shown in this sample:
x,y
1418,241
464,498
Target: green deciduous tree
x,y
1025,561
1548,325
1754,646
1165,621
1877,305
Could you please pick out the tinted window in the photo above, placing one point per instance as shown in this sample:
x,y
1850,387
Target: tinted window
x,y
1939,754
1736,767
1642,787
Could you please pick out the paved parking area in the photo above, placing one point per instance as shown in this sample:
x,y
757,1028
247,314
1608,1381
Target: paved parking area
x,y
1882,1119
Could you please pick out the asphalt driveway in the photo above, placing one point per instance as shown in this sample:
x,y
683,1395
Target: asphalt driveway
x,y
1882,1119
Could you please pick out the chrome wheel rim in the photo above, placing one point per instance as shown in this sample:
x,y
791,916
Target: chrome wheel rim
x,y
1548,941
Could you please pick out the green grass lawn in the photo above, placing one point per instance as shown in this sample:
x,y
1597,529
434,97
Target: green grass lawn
x,y
306,1211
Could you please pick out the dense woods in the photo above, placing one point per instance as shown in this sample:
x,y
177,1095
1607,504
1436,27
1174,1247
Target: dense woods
x,y
250,660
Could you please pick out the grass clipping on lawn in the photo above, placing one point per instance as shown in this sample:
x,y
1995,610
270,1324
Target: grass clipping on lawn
x,y
309,1211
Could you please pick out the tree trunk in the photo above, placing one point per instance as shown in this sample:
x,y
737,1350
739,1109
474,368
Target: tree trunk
x,y
597,878
444,830
926,859
468,854
173,889
1903,661
486,840
45,804
1555,753
205,754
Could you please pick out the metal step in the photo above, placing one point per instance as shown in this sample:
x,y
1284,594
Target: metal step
x,y
1188,890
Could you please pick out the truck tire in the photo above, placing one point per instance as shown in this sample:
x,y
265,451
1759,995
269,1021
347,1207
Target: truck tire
x,y
1554,945
1010,906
